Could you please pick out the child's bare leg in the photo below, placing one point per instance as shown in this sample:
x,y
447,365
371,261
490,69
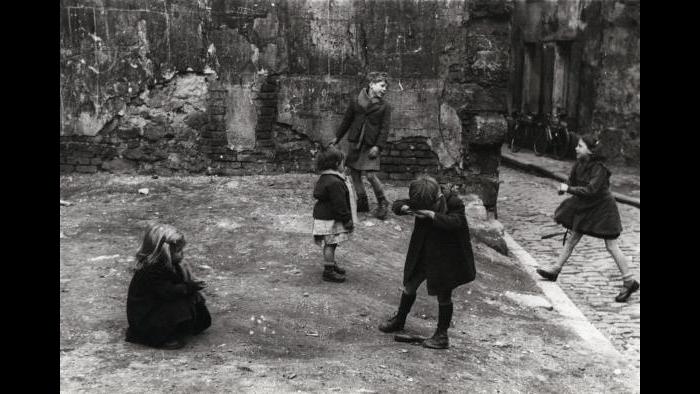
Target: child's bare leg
x,y
329,254
622,263
571,243
330,273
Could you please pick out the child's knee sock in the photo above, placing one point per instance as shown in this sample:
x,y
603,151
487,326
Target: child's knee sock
x,y
444,316
405,304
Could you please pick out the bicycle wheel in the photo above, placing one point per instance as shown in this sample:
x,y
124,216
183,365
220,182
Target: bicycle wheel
x,y
512,141
511,145
561,145
541,143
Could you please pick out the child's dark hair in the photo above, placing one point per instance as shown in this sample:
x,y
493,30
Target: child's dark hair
x,y
590,140
423,193
329,159
377,76
594,145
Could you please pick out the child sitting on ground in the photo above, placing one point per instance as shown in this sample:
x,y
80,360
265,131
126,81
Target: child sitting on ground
x,y
335,211
164,304
440,252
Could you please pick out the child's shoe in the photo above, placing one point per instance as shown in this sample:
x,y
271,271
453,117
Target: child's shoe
x,y
382,209
395,323
330,275
627,291
439,340
548,275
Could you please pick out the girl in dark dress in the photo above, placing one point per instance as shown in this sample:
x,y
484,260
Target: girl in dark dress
x,y
440,253
591,210
164,304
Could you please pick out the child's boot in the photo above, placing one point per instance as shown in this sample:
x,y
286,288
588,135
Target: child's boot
x,y
382,208
362,203
330,274
397,322
339,270
439,340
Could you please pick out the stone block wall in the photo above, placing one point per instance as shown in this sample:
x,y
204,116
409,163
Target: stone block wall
x,y
236,87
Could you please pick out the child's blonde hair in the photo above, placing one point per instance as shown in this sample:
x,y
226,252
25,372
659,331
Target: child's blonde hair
x,y
156,246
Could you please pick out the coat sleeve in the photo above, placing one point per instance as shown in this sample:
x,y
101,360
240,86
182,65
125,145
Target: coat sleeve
x,y
319,190
384,131
347,121
396,206
595,186
339,202
454,218
571,175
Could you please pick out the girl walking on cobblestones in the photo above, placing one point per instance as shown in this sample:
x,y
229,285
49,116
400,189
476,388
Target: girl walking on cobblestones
x,y
335,211
591,210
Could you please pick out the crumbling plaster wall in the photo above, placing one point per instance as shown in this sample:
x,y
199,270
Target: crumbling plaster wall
x,y
242,86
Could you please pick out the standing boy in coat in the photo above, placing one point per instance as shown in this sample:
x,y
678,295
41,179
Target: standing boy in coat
x,y
366,123
440,253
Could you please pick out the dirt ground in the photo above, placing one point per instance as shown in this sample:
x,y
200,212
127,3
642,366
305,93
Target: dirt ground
x,y
277,327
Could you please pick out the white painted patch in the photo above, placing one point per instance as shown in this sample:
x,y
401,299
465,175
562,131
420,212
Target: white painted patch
x,y
528,300
256,54
241,117
448,145
100,258
191,87
227,224
88,124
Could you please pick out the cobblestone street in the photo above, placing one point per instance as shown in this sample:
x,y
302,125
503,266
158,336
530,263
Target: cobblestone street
x,y
590,278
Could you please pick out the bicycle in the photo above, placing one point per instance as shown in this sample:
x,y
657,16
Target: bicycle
x,y
553,136
522,132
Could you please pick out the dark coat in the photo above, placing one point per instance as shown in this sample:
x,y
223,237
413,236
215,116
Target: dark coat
x,y
441,246
375,120
333,199
592,209
159,302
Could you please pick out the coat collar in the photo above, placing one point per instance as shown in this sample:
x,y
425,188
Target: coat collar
x,y
333,172
369,104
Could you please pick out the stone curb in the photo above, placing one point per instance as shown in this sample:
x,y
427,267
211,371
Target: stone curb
x,y
572,316
513,162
